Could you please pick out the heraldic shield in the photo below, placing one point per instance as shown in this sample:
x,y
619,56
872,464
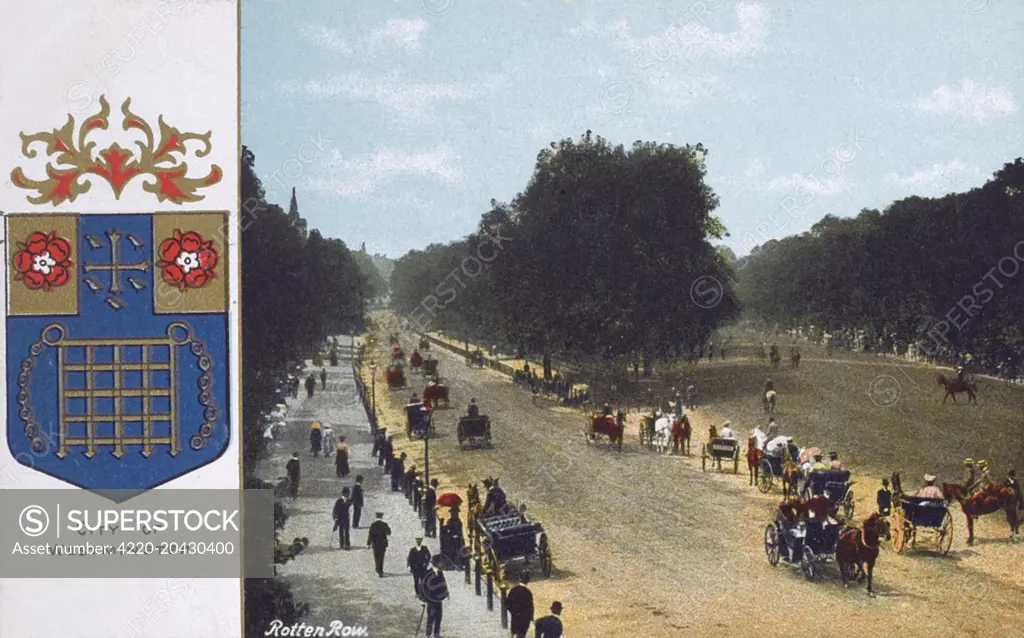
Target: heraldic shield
x,y
117,346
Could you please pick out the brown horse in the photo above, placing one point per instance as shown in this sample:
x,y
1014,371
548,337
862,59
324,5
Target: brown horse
x,y
988,500
681,433
433,395
858,548
791,475
955,386
754,456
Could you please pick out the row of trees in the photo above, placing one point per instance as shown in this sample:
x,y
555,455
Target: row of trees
x,y
942,272
296,292
606,252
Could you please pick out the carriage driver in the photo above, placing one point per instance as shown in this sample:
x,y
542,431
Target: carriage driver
x,y
607,410
496,500
727,431
473,410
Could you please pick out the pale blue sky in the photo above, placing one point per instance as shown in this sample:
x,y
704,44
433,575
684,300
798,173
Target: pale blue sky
x,y
424,111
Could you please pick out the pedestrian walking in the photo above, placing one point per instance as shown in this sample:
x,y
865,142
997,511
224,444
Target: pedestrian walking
x,y
407,481
434,590
323,378
520,607
452,541
357,500
429,507
417,492
549,626
398,473
388,453
377,539
341,458
418,563
310,386
341,519
295,387
292,469
378,445
330,440
316,438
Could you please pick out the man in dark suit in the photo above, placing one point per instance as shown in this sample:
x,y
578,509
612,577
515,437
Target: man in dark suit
x,y
398,473
520,607
388,452
341,519
357,500
417,492
377,539
434,591
407,480
549,626
378,445
429,507
418,563
292,469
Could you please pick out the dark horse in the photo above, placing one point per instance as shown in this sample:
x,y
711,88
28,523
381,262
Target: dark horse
x,y
988,500
956,386
858,548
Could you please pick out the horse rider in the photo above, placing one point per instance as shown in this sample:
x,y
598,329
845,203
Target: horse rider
x,y
473,411
496,500
930,490
960,374
607,410
727,431
969,473
834,462
984,479
759,437
794,451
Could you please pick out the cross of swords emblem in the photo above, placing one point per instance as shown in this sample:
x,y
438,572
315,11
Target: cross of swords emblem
x,y
115,267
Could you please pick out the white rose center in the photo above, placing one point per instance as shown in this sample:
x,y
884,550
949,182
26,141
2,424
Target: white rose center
x,y
188,261
44,263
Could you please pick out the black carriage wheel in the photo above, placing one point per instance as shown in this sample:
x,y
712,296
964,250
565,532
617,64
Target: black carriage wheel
x,y
771,545
736,463
809,563
765,480
946,533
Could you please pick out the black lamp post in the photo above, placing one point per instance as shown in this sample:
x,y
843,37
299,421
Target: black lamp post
x,y
373,392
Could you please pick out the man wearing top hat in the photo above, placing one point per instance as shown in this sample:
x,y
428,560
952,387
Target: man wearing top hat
x,y
429,505
549,626
418,562
357,500
341,519
377,539
520,607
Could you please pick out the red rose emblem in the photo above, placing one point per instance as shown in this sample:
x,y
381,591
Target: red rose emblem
x,y
44,261
187,260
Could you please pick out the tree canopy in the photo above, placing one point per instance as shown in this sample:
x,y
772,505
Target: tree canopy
x,y
598,255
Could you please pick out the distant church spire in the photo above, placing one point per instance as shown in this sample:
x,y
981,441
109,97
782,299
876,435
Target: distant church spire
x,y
293,209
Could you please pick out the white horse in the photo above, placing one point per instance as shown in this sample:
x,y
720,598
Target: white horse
x,y
770,397
663,434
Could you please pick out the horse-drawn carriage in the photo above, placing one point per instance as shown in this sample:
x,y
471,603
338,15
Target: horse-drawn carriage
x,y
419,422
474,429
718,450
601,425
475,358
395,376
510,538
429,367
912,512
424,344
415,360
802,534
435,394
676,432
834,485
397,354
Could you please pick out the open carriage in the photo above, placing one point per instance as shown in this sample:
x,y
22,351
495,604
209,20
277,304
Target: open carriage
x,y
419,421
719,450
474,429
415,360
771,468
802,534
513,538
910,513
835,486
429,367
395,376
397,354
603,426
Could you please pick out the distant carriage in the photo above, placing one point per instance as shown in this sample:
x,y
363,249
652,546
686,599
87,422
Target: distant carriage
x,y
513,538
429,367
397,354
415,360
718,450
599,425
425,344
436,394
395,376
834,485
419,422
473,429
475,358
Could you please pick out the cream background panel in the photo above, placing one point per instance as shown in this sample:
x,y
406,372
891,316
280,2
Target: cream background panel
x,y
177,58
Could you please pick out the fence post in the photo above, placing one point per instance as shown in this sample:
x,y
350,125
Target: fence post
x,y
504,608
479,573
490,591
